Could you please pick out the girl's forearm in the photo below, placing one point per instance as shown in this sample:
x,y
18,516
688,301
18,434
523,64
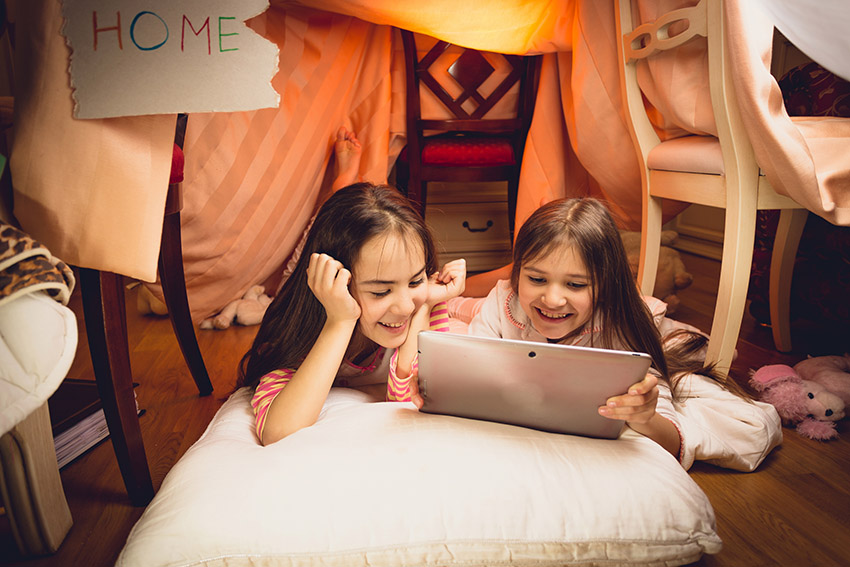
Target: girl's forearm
x,y
662,431
408,350
299,403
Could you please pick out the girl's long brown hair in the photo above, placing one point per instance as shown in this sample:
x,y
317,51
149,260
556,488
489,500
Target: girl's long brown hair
x,y
348,219
617,304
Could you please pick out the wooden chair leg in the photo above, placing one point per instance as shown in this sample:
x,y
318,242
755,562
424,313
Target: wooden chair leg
x,y
31,488
650,245
788,233
414,187
106,327
736,263
423,195
174,290
513,191
416,194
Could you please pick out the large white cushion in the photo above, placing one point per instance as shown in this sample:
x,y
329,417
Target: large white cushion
x,y
382,484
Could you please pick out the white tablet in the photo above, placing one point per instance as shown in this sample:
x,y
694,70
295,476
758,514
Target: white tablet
x,y
544,386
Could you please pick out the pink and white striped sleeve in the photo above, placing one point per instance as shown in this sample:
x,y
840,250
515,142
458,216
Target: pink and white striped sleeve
x,y
268,388
398,389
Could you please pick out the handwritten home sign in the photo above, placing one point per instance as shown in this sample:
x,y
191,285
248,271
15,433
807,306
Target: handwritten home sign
x,y
133,57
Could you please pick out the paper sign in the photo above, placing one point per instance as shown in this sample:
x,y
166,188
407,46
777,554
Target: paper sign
x,y
133,57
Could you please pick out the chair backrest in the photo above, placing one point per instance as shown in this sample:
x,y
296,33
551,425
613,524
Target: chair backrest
x,y
672,30
479,102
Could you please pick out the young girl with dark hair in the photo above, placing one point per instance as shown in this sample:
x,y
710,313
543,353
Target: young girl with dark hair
x,y
570,283
348,315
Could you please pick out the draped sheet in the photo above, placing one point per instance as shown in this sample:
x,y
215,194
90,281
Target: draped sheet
x,y
253,178
92,191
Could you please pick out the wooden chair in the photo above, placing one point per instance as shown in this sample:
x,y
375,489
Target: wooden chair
x,y
469,144
714,171
106,327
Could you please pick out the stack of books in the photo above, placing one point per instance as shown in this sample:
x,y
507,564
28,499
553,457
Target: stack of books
x,y
77,418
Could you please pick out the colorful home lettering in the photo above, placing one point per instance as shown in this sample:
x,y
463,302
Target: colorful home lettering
x,y
158,31
157,57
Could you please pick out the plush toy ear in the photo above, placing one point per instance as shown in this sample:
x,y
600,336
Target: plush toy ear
x,y
769,375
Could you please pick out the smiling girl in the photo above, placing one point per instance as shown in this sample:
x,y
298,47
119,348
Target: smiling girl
x,y
570,283
349,314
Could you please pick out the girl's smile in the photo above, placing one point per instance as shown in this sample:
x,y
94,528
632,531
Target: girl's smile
x,y
554,292
390,286
399,329
553,316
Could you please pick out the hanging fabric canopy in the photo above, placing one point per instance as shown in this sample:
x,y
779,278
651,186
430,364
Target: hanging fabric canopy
x,y
94,191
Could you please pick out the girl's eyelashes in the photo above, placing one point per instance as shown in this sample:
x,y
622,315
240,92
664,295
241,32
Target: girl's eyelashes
x,y
414,283
536,280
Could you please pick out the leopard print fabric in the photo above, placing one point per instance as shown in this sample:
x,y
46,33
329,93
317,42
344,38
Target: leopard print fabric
x,y
27,266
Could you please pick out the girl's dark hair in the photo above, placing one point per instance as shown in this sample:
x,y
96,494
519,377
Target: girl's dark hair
x,y
348,219
617,305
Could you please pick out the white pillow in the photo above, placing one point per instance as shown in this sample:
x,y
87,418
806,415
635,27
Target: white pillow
x,y
38,341
377,484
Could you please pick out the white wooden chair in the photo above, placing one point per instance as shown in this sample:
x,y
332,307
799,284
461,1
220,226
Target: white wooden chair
x,y
714,171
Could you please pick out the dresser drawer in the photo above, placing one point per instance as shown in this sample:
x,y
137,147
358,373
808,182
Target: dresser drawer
x,y
473,192
469,227
477,261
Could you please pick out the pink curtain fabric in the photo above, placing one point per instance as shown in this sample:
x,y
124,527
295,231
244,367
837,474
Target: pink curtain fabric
x,y
252,178
804,158
95,196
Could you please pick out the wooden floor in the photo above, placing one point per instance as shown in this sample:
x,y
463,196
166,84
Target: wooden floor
x,y
794,510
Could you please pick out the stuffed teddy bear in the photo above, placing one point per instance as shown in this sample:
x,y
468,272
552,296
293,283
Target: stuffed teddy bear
x,y
246,311
672,275
804,403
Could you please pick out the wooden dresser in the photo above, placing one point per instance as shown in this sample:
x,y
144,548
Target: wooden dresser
x,y
471,223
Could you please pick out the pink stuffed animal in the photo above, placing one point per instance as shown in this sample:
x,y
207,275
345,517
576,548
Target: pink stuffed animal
x,y
804,403
831,372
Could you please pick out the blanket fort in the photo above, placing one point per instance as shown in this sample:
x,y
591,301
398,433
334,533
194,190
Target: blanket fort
x,y
133,57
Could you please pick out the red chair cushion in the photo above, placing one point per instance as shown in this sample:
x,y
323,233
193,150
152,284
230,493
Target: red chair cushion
x,y
177,160
467,151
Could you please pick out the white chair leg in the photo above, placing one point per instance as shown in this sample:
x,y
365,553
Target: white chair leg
x,y
788,233
736,263
650,245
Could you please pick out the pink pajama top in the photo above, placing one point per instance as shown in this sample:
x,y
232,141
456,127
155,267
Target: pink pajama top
x,y
380,368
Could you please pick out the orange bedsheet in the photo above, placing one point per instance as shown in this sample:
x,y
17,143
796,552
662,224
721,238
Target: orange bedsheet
x,y
252,178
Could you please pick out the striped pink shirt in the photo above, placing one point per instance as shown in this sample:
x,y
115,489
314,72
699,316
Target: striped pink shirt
x,y
398,389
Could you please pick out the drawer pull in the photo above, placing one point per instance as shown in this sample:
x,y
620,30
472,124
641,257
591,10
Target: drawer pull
x,y
470,229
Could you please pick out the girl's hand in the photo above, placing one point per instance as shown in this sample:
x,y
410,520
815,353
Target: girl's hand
x,y
448,283
328,279
415,396
637,406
